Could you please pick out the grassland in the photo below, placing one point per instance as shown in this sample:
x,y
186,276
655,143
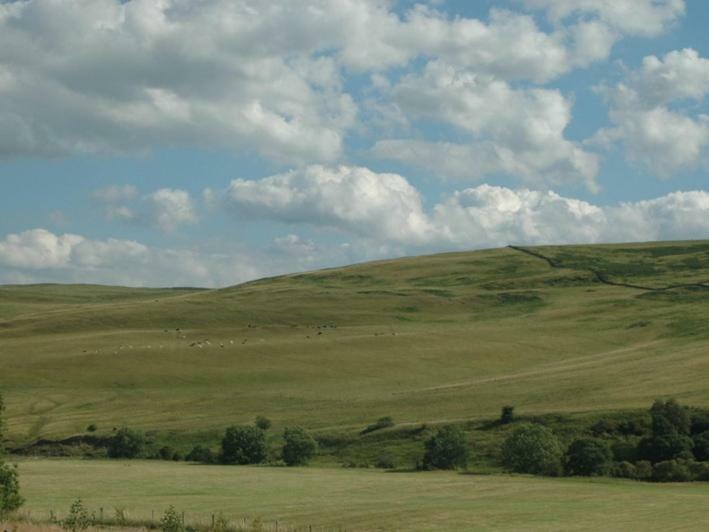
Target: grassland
x,y
353,499
425,340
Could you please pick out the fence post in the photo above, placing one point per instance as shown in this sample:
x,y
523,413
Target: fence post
x,y
212,521
101,513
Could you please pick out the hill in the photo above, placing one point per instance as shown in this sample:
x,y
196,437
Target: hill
x,y
564,329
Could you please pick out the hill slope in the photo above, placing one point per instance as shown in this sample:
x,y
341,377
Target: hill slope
x,y
425,339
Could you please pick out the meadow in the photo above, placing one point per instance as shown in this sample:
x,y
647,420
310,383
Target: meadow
x,y
361,499
567,334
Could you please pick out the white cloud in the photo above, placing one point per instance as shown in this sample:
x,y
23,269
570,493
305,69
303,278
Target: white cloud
x,y
165,208
646,111
519,132
86,76
38,255
351,198
646,18
169,208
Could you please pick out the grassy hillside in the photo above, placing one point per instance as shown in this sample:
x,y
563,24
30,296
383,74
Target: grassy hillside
x,y
355,499
426,339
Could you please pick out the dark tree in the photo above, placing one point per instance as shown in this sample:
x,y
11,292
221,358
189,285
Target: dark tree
x,y
263,422
244,445
200,453
447,449
669,417
701,446
10,499
299,447
507,415
666,447
126,443
533,449
588,457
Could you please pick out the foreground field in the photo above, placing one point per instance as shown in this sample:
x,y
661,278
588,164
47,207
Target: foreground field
x,y
355,499
424,340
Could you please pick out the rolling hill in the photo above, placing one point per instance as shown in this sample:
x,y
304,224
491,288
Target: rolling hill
x,y
563,329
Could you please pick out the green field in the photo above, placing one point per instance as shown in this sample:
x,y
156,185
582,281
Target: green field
x,y
565,334
355,499
425,340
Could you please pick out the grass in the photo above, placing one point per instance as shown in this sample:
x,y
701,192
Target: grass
x,y
355,499
424,340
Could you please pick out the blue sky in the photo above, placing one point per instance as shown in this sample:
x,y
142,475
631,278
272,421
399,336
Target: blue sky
x,y
159,143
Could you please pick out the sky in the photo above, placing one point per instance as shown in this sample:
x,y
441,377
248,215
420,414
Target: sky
x,y
211,142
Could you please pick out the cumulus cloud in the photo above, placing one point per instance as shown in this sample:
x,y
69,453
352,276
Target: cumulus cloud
x,y
648,118
115,76
165,208
519,132
351,198
39,255
361,203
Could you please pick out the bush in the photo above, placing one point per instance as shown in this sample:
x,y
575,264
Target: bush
x,y
671,471
507,415
533,449
381,423
624,470
664,447
643,470
243,445
588,457
91,428
126,443
446,449
166,453
78,518
299,447
624,451
385,460
10,499
701,446
263,422
171,521
669,417
200,453
699,470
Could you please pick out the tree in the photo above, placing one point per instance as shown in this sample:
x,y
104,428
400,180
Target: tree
x,y
126,443
200,453
299,448
701,446
533,449
10,499
447,449
507,415
669,417
665,447
263,422
243,445
588,457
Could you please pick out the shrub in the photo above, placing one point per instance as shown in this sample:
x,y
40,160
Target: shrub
x,y
10,499
171,521
700,422
664,447
701,446
126,443
699,470
91,428
381,423
78,518
446,449
200,453
671,471
624,470
263,422
669,417
588,457
166,453
624,451
643,470
533,449
507,415
385,460
243,445
299,447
